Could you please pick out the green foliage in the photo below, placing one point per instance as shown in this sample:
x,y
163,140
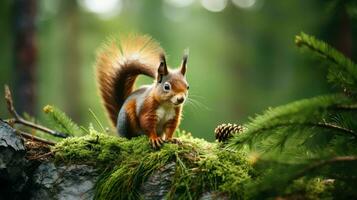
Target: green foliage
x,y
288,120
199,165
342,70
61,122
278,178
309,138
313,189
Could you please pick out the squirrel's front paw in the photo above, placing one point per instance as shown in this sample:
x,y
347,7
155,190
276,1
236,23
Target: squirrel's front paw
x,y
174,141
156,142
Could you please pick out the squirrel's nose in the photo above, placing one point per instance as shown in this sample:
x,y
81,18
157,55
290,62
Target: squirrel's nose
x,y
180,99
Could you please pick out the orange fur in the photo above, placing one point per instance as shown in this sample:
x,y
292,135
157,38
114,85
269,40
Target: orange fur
x,y
178,86
119,64
130,109
148,118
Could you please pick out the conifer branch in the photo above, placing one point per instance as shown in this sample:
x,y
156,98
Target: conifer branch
x,y
342,72
249,137
310,124
19,120
61,121
301,113
319,47
326,51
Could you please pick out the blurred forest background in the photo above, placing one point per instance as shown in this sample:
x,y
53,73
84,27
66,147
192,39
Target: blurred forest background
x,y
242,54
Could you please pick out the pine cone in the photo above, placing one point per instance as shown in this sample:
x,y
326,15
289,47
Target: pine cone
x,y
225,131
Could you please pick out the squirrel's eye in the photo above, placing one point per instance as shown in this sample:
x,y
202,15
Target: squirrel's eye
x,y
188,87
167,86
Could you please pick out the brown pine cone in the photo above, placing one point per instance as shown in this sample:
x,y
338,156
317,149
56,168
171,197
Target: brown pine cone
x,y
225,131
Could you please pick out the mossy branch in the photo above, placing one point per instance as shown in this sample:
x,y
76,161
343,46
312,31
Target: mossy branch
x,y
196,166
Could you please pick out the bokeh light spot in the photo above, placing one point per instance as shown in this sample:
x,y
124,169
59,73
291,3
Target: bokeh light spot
x,y
244,3
104,8
179,3
214,5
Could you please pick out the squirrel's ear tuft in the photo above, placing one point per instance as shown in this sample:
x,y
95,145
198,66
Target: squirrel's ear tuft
x,y
184,61
162,71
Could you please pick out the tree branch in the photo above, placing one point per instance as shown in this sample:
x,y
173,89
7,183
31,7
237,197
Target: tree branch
x,y
19,120
311,124
32,137
29,136
351,107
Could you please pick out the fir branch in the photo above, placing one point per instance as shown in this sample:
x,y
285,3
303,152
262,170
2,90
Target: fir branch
x,y
309,125
61,121
299,113
291,110
326,51
342,72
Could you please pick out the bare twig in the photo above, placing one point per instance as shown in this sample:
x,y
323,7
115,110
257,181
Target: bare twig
x,y
19,120
32,137
351,107
336,127
41,156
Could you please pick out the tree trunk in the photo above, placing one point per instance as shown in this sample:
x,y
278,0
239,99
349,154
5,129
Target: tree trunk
x,y
25,55
72,76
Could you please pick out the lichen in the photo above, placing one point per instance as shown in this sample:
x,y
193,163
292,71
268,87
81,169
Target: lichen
x,y
201,166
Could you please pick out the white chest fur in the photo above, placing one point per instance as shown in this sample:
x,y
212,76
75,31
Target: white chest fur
x,y
164,113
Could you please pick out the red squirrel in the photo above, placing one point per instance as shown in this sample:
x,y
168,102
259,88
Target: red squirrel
x,y
153,110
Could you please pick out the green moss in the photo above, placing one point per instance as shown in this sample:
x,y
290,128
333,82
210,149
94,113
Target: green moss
x,y
98,149
200,166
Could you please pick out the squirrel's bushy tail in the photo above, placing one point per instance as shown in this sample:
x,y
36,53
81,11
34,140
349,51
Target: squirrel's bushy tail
x,y
118,65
